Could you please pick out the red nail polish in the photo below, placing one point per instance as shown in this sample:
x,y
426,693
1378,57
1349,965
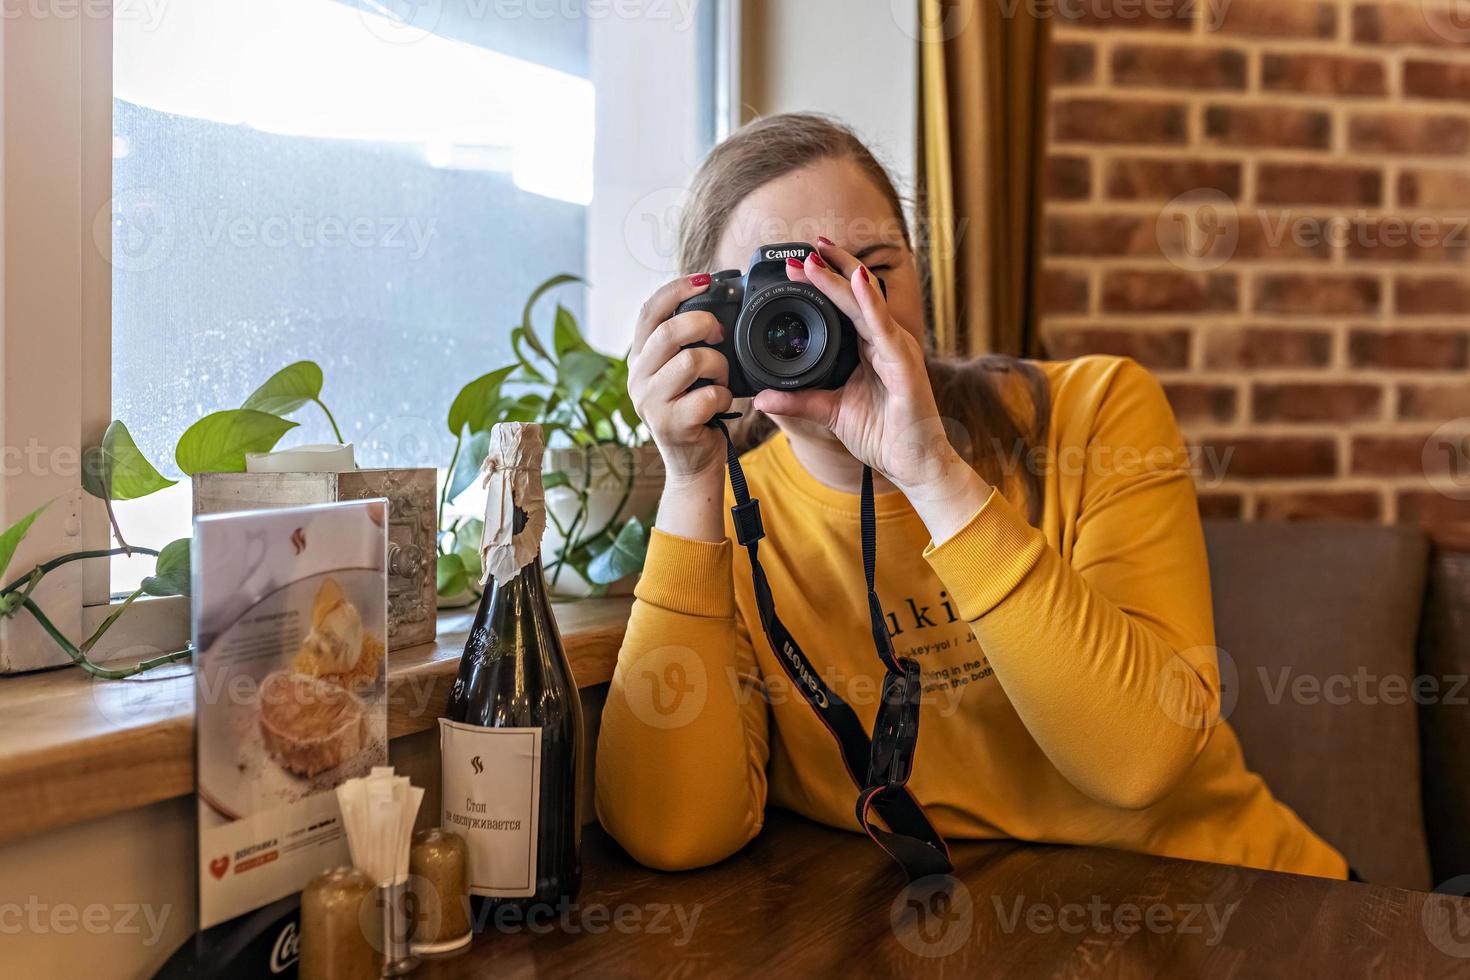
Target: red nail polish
x,y
863,270
794,263
824,240
699,279
817,260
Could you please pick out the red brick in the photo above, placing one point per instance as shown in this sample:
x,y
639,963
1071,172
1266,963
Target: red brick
x,y
1434,188
1404,24
1159,350
1272,18
1268,126
1114,121
1068,178
1335,402
1265,347
1152,15
1063,291
1151,291
1265,457
1100,234
1284,236
1397,239
1434,402
1316,294
1422,350
1072,63
1177,67
1437,79
1202,402
1292,183
1318,505
1432,294
1395,132
1431,509
1323,74
1221,506
1161,180
1388,455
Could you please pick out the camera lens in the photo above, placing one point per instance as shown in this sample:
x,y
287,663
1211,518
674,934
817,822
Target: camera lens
x,y
787,336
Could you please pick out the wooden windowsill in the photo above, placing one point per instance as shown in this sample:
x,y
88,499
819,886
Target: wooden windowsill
x,y
73,748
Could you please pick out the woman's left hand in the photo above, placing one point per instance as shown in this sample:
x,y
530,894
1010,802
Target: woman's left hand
x,y
885,414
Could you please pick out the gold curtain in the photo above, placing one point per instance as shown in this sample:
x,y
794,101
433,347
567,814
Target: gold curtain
x,y
982,107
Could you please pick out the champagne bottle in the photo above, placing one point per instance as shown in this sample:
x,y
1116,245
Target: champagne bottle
x,y
511,739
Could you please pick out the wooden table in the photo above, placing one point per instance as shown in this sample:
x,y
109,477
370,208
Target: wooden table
x,y
805,900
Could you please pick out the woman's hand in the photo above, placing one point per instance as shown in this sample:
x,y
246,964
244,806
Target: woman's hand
x,y
885,414
660,373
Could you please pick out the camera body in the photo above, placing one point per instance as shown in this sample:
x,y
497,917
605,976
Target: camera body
x,y
778,333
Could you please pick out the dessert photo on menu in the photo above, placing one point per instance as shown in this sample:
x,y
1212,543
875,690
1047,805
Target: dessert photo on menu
x,y
291,620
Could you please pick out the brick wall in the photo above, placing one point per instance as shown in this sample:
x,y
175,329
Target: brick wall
x,y
1267,203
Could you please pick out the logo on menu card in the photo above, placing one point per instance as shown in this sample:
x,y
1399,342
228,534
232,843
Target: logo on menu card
x,y
287,949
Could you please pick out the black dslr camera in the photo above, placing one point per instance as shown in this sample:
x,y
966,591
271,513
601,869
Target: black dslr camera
x,y
778,333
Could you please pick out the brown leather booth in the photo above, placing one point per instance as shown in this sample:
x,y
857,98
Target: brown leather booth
x,y
1345,653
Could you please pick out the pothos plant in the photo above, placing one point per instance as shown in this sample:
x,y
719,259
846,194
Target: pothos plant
x,y
117,470
580,396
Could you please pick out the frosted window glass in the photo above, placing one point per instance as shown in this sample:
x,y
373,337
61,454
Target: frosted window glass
x,y
308,179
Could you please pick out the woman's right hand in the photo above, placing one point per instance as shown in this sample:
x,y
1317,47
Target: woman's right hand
x,y
660,374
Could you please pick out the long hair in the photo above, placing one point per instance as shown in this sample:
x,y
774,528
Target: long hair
x,y
969,394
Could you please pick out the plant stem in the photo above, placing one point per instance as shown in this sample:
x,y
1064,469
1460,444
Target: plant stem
x,y
82,661
116,529
335,431
56,563
448,477
102,627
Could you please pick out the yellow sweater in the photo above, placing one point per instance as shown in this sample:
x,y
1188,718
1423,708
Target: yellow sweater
x,y
1071,681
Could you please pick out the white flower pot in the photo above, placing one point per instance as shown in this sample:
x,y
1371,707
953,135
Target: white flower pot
x,y
605,475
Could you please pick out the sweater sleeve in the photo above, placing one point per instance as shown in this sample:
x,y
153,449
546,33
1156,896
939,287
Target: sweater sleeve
x,y
681,756
1108,657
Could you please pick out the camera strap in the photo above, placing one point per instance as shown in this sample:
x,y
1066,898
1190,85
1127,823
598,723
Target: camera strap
x,y
879,767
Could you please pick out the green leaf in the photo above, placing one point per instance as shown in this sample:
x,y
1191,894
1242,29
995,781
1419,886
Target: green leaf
x,y
218,442
537,293
451,576
467,467
474,406
625,557
288,389
517,336
556,478
117,470
565,335
171,571
527,408
579,369
11,539
467,547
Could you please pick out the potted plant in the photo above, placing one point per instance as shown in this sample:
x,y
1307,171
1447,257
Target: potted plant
x,y
117,470
603,475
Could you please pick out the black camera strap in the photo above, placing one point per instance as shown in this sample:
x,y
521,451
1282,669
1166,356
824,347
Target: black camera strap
x,y
879,766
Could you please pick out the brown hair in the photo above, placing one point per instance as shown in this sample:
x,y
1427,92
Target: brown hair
x,y
968,393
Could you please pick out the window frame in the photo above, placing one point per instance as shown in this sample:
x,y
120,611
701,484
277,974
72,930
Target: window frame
x,y
56,314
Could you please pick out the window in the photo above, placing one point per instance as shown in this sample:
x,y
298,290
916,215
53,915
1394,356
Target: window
x,y
376,185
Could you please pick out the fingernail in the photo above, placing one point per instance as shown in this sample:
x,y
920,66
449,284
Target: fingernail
x,y
817,260
794,263
863,271
699,279
824,240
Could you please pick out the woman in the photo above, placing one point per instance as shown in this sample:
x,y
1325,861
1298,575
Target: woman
x,y
1039,549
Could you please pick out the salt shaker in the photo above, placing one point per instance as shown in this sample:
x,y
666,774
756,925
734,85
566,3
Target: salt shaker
x,y
339,938
437,869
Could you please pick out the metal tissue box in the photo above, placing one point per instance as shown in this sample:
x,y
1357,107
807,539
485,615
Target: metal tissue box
x,y
411,518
